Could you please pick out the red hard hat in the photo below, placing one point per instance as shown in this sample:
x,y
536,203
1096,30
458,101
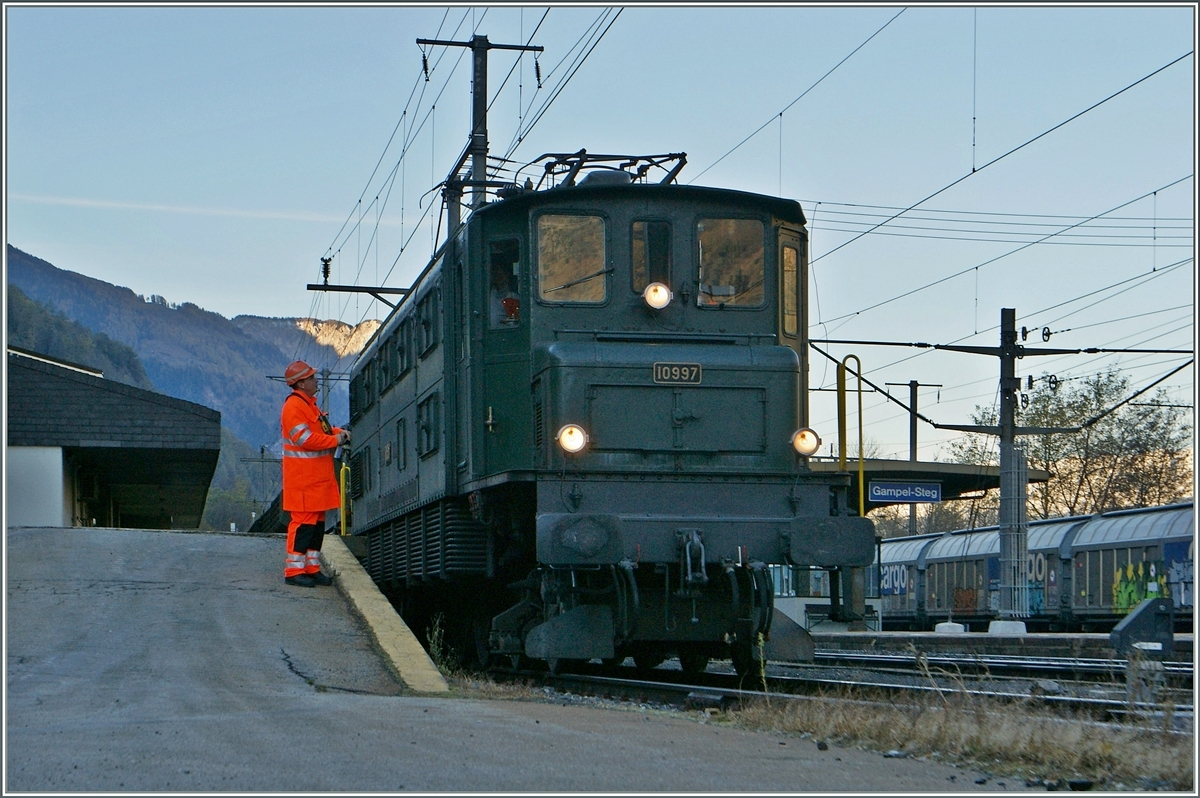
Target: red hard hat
x,y
298,371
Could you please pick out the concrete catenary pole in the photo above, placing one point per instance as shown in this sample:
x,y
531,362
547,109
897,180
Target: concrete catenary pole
x,y
1013,478
913,385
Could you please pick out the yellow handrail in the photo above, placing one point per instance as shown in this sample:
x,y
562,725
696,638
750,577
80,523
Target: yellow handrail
x,y
841,376
343,478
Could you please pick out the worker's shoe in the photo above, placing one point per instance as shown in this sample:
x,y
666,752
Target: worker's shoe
x,y
320,579
301,580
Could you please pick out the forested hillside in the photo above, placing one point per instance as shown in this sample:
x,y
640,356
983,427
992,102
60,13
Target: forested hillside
x,y
37,328
194,354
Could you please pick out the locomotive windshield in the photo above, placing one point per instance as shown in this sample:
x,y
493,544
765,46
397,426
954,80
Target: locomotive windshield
x,y
731,262
571,259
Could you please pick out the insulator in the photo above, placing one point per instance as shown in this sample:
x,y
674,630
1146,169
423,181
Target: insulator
x,y
537,71
425,66
325,269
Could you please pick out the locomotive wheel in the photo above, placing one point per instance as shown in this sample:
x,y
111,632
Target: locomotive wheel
x,y
744,661
612,662
693,662
648,660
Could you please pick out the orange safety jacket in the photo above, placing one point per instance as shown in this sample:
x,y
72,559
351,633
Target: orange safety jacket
x,y
309,481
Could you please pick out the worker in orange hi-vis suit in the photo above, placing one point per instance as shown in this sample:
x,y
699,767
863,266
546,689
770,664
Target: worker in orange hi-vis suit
x,y
309,484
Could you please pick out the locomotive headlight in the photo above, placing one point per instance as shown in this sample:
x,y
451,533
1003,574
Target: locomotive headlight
x,y
572,438
657,296
806,442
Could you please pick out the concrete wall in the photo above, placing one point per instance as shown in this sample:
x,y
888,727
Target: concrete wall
x,y
811,612
34,486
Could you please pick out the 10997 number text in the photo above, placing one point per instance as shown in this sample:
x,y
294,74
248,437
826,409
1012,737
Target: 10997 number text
x,y
677,373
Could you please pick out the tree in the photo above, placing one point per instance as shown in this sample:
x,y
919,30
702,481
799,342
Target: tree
x,y
38,328
891,521
1139,455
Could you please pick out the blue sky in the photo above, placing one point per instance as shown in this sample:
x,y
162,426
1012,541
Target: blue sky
x,y
212,154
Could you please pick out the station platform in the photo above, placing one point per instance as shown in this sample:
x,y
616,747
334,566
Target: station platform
x,y
167,661
1034,644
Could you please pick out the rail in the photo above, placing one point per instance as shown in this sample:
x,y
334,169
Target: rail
x,y
811,682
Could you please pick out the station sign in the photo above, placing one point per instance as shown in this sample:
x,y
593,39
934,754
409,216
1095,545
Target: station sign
x,y
904,492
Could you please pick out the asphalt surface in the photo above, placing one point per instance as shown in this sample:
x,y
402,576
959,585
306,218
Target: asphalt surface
x,y
166,661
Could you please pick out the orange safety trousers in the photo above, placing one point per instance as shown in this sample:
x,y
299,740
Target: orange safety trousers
x,y
304,536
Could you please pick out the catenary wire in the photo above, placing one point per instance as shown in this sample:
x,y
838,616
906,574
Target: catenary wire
x,y
793,102
998,257
413,132
410,140
1010,152
558,90
1144,278
416,84
579,44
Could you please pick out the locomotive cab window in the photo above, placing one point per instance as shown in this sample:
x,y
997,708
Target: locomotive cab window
x,y
504,304
790,264
651,254
732,263
571,259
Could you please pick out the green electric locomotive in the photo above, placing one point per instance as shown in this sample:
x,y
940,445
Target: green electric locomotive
x,y
583,432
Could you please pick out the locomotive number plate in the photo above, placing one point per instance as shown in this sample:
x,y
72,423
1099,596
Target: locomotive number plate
x,y
677,373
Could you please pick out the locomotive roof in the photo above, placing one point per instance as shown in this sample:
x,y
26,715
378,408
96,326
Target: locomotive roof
x,y
788,210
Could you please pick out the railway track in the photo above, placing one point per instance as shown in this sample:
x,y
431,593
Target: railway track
x,y
1082,669
720,688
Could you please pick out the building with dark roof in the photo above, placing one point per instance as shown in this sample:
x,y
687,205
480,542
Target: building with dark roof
x,y
86,451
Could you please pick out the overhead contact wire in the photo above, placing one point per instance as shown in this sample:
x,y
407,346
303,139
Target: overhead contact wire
x,y
793,102
1010,152
995,259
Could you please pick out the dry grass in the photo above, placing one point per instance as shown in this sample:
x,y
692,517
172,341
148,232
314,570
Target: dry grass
x,y
1016,740
1007,739
482,686
1022,740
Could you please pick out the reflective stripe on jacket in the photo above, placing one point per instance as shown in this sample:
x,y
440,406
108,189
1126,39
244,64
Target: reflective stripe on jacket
x,y
309,482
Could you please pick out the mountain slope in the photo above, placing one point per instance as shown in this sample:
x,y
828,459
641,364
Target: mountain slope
x,y
37,328
194,354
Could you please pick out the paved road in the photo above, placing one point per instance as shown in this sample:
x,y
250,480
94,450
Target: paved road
x,y
170,661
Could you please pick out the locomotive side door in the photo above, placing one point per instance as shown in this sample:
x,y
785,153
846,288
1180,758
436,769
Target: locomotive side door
x,y
506,406
458,315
